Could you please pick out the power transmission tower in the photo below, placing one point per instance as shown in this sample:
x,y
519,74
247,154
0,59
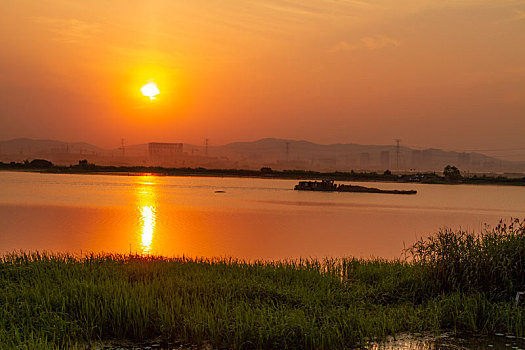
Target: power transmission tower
x,y
122,146
206,148
397,153
287,151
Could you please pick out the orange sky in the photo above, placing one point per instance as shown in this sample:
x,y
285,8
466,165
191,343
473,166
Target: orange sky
x,y
440,73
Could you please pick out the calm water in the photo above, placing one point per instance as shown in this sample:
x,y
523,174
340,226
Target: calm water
x,y
252,219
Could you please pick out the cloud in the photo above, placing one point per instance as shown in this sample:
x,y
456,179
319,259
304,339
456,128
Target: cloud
x,y
146,54
343,46
518,16
374,42
378,42
70,31
317,8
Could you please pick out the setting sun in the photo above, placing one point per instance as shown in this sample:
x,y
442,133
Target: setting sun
x,y
150,90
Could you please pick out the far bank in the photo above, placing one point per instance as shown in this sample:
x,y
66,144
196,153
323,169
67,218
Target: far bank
x,y
451,175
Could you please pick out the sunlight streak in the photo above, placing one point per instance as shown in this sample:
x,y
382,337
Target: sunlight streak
x,y
146,205
148,227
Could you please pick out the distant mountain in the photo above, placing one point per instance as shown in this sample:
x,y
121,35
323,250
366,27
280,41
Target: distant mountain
x,y
268,152
25,145
304,154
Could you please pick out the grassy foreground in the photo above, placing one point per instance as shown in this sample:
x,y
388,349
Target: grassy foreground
x,y
452,281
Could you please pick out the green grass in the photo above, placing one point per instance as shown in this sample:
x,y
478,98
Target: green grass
x,y
451,282
492,262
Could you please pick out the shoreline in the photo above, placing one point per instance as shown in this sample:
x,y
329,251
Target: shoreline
x,y
419,178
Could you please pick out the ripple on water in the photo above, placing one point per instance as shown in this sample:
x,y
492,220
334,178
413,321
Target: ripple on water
x,y
447,342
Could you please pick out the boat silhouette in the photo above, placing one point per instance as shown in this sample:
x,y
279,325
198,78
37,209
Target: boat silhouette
x,y
330,186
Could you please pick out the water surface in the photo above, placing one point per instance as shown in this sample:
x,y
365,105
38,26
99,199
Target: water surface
x,y
446,342
251,219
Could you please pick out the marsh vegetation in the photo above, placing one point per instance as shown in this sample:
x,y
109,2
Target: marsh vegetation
x,y
451,281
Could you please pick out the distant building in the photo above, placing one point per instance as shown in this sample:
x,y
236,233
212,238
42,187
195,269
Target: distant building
x,y
491,165
416,159
349,160
164,151
385,160
327,163
427,158
464,160
364,159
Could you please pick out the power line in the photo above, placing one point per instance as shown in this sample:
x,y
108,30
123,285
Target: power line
x,y
473,149
505,155
496,150
122,146
517,149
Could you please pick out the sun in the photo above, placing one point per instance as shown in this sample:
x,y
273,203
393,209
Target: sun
x,y
150,90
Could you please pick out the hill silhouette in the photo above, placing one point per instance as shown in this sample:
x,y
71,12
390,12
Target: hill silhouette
x,y
268,152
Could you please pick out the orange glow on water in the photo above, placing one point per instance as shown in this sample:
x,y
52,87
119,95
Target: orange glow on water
x,y
147,209
148,227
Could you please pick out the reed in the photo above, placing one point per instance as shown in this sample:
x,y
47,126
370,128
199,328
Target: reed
x,y
492,262
65,301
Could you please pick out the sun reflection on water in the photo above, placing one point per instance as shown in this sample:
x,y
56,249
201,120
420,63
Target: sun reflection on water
x,y
146,206
148,227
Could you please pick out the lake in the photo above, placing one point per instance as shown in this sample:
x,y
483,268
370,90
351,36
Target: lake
x,y
249,219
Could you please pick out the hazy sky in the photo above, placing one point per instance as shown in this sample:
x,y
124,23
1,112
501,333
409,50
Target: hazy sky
x,y
440,73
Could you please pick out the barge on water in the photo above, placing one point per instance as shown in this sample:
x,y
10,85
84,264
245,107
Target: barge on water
x,y
330,186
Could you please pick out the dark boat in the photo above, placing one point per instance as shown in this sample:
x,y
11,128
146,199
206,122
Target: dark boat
x,y
323,185
330,186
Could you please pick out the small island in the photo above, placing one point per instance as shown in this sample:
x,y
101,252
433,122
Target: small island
x,y
330,186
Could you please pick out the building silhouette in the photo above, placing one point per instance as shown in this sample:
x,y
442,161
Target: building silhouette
x,y
164,152
364,159
385,160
